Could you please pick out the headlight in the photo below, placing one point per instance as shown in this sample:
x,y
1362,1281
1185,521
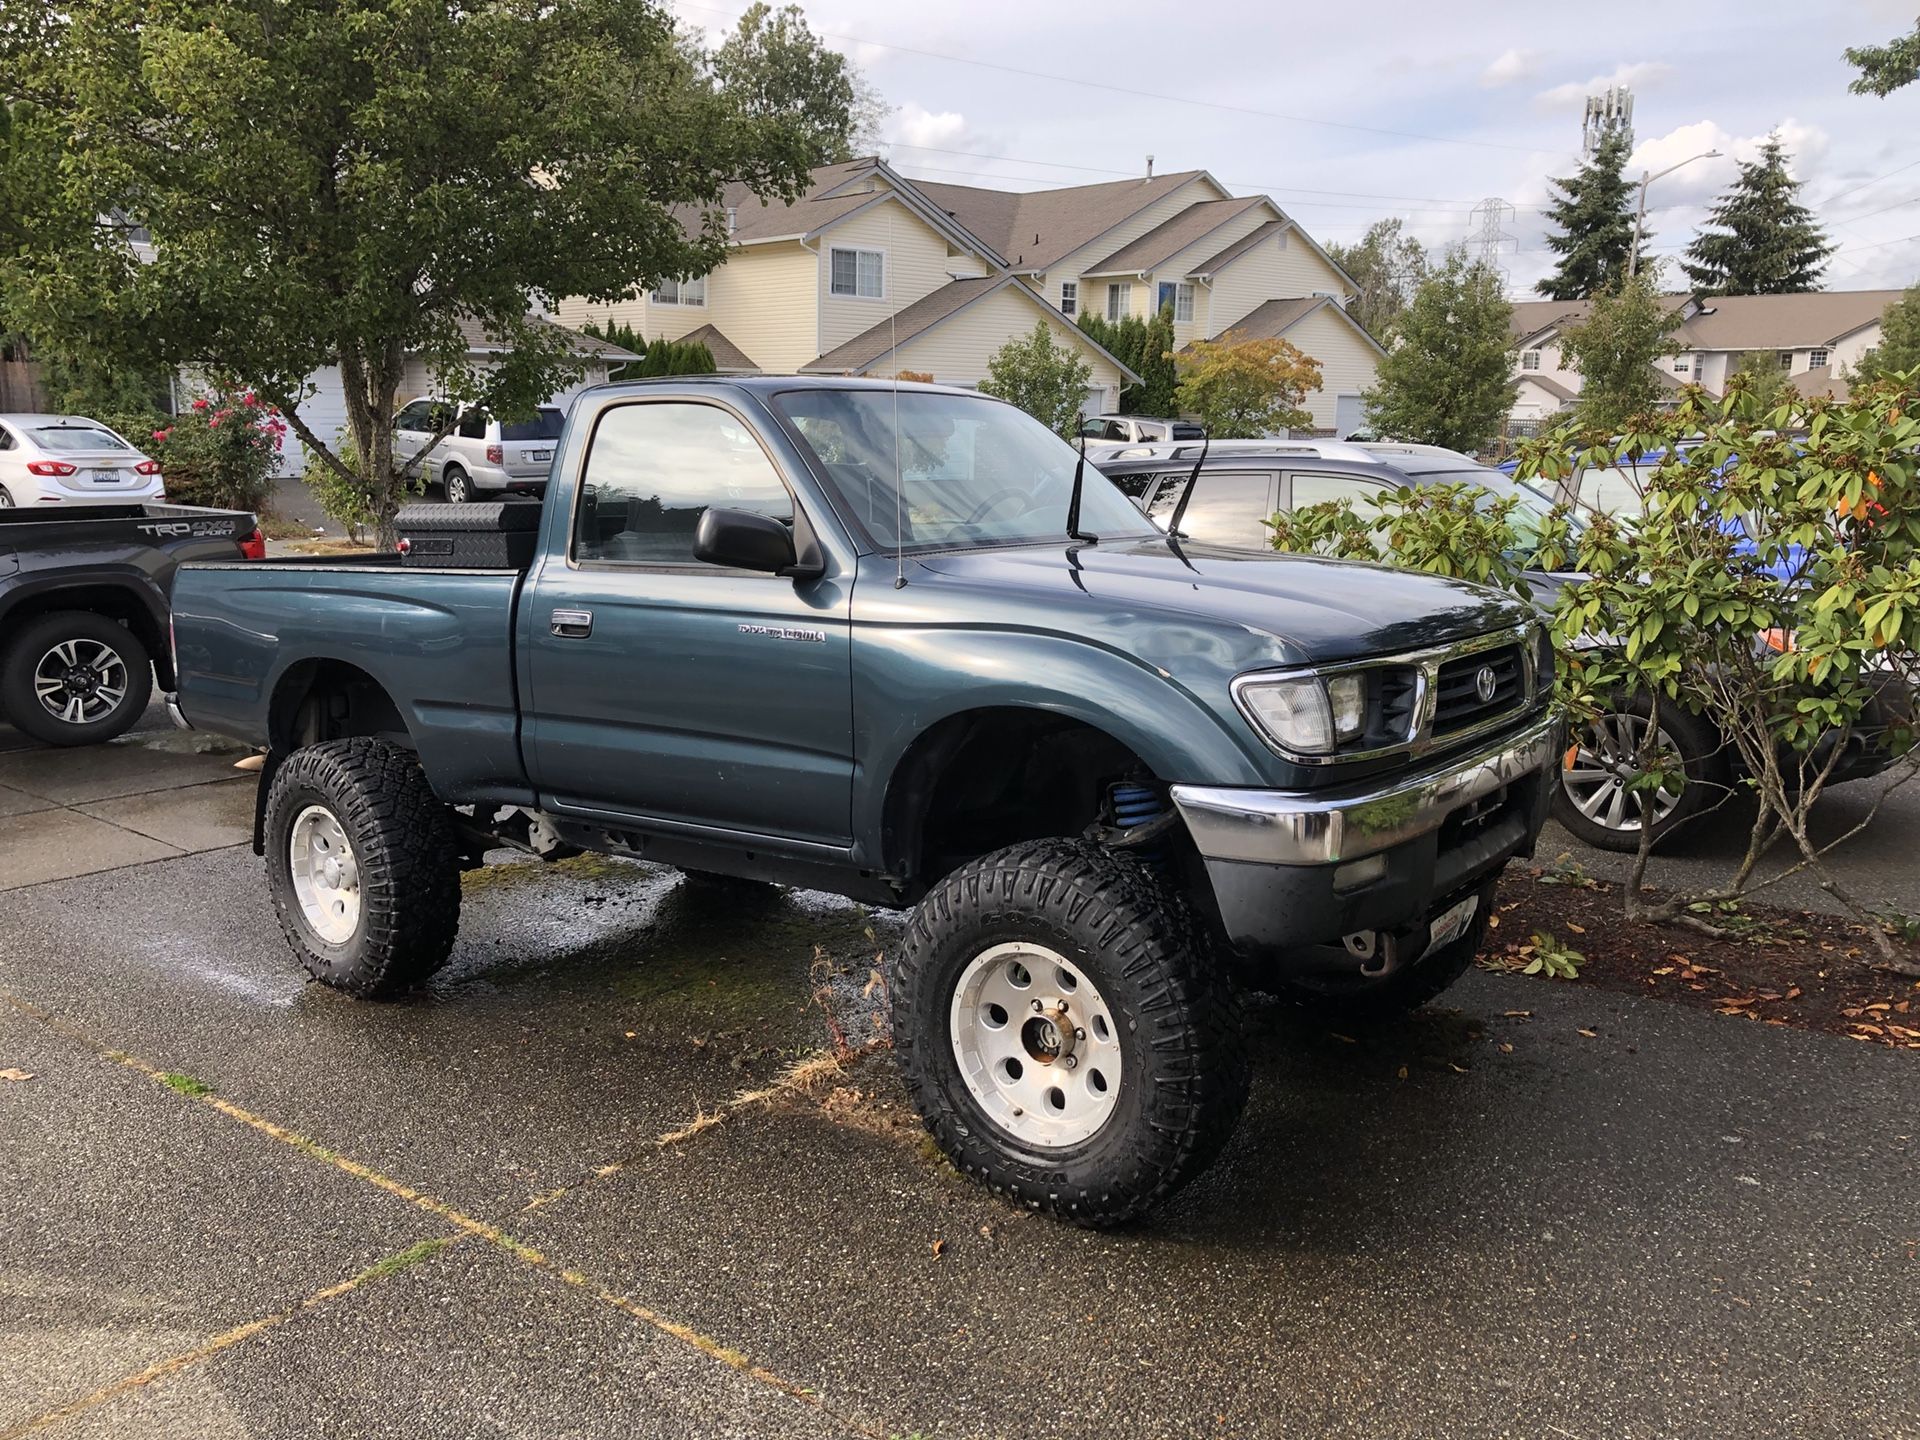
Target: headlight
x,y
1306,714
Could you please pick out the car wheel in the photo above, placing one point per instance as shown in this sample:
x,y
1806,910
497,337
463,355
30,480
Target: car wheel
x,y
362,866
459,488
6,500
1066,1032
1350,995
1595,800
74,678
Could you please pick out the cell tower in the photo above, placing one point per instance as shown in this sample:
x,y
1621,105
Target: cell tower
x,y
1607,115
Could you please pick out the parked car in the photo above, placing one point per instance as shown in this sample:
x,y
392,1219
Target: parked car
x,y
1100,430
71,460
1243,484
481,455
900,642
84,606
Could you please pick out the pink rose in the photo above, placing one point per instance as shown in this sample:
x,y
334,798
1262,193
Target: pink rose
x,y
200,403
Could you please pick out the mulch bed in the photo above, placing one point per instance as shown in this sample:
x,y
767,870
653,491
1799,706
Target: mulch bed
x,y
1784,967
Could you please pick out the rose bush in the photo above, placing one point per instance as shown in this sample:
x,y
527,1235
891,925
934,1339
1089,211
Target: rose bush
x,y
221,451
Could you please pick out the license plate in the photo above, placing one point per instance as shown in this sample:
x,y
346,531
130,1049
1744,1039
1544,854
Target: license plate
x,y
540,454
1450,924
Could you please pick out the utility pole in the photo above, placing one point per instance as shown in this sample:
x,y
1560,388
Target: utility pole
x,y
1640,215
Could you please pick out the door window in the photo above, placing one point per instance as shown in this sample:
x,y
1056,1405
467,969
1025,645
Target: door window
x,y
653,471
413,417
473,425
1612,491
1228,508
1318,489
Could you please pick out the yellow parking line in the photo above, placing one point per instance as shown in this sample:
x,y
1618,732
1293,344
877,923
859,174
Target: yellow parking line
x,y
492,1234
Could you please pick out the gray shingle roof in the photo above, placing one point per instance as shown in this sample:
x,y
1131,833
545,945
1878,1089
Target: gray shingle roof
x,y
1738,322
1215,263
479,339
726,354
1038,228
1171,236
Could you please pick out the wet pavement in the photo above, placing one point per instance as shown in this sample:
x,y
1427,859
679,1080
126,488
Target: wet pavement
x,y
525,1202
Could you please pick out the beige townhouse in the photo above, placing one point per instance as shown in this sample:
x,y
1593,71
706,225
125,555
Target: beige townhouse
x,y
873,273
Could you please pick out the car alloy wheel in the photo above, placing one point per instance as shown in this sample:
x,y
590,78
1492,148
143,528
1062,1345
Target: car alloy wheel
x,y
1605,763
1035,1044
325,873
80,681
6,500
459,489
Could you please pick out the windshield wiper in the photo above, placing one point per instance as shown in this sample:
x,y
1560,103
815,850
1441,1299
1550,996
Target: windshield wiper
x,y
1186,494
1073,501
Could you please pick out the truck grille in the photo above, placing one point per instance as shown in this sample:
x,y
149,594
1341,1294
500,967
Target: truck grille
x,y
1459,703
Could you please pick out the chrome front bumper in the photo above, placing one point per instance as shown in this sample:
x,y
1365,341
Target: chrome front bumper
x,y
1294,827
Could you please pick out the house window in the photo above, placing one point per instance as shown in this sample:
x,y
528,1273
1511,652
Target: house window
x,y
1183,304
1786,359
681,292
1682,364
1816,359
1069,296
1119,301
859,273
1530,360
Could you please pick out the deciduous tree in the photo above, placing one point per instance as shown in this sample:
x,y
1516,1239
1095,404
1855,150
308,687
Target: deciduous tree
x,y
1592,217
1886,68
1047,380
1627,329
1243,389
1763,240
1449,379
350,183
1899,349
1387,266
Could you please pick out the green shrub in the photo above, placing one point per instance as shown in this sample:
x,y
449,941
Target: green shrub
x,y
221,451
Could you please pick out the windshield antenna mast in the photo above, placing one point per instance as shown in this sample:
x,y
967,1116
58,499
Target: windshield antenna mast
x,y
1073,501
899,475
1180,510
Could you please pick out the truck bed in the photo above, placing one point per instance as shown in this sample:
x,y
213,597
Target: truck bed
x,y
149,524
440,642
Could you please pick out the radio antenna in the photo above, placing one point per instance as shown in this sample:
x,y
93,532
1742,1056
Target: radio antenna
x,y
899,474
1180,510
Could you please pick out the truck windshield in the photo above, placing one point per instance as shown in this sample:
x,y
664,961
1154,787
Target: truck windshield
x,y
970,471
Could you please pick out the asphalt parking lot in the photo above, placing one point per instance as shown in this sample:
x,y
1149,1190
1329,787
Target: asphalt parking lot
x,y
525,1202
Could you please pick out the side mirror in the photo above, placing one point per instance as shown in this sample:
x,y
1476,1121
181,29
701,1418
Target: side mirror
x,y
743,540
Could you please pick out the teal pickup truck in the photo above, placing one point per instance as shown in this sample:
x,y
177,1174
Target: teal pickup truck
x,y
899,642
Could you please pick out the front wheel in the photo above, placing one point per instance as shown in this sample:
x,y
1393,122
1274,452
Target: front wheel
x,y
74,678
1596,799
1066,1032
362,865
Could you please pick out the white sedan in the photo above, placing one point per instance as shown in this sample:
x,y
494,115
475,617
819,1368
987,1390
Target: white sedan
x,y
71,460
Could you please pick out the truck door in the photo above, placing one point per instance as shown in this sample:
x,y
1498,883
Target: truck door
x,y
666,689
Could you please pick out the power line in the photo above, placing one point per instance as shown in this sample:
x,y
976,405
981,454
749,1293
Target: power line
x,y
1864,184
1136,94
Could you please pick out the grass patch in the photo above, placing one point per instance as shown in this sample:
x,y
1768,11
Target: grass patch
x,y
185,1084
412,1255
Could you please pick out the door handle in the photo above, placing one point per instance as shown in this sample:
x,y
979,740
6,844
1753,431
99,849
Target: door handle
x,y
573,624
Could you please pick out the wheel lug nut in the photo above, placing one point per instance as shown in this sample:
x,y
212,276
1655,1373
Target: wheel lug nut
x,y
1038,1007
1078,1033
1071,1061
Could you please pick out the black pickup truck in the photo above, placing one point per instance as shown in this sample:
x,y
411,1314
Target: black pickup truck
x,y
83,609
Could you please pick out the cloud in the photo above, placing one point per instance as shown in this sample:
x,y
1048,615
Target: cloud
x,y
1638,75
914,124
1512,65
1700,182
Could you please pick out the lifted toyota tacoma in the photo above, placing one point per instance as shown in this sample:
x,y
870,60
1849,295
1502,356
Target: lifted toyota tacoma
x,y
899,642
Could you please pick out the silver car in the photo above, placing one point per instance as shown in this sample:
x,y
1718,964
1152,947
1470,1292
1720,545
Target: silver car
x,y
71,460
482,455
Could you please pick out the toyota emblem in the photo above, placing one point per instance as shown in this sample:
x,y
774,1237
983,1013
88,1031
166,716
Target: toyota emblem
x,y
1485,684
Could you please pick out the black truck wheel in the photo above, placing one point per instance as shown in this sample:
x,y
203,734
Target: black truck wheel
x,y
1354,997
1066,1032
74,678
1592,799
362,865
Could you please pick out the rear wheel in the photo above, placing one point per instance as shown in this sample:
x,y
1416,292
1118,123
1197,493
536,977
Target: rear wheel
x,y
1066,1032
74,678
362,865
459,487
6,500
1596,799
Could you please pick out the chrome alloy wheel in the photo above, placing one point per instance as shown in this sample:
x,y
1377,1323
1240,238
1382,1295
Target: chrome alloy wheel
x,y
1605,761
1036,1045
326,877
80,681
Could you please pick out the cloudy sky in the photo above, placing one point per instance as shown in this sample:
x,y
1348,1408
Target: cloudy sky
x,y
1350,111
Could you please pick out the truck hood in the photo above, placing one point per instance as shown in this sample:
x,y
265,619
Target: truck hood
x,y
1318,611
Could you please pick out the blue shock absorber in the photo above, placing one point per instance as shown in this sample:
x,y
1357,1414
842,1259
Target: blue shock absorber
x,y
1137,805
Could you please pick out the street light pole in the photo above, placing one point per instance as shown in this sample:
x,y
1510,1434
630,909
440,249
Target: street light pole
x,y
1640,216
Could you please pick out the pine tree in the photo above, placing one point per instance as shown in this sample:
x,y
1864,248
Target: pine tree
x,y
1449,380
1593,216
1899,347
1767,242
1158,376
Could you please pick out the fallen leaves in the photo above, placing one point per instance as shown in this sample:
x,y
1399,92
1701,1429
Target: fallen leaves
x,y
16,1075
939,1248
1591,1034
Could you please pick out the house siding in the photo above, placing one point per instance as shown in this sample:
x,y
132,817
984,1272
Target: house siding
x,y
1282,267
1070,267
916,266
956,351
1347,362
763,299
